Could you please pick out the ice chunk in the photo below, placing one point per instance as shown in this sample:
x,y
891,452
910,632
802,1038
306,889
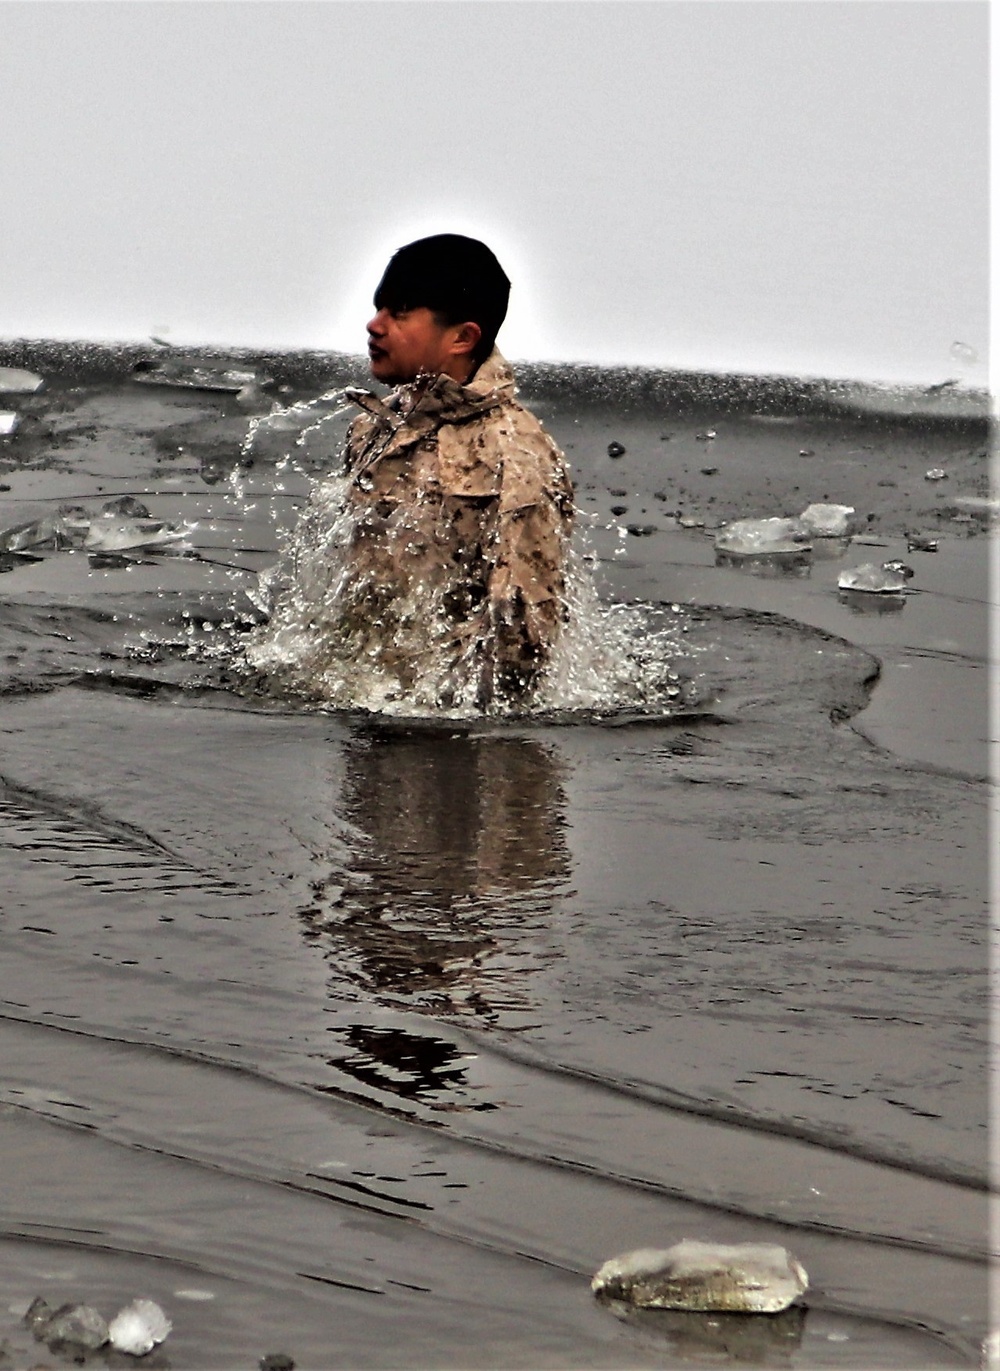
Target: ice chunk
x,y
114,533
197,373
127,506
763,537
17,381
9,423
889,578
71,1327
138,1327
750,1278
765,546
38,534
829,521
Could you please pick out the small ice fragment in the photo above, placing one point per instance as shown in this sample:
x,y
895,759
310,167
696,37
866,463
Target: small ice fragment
x,y
127,506
138,1328
9,422
873,579
921,542
962,352
936,474
37,1314
72,1326
751,1278
17,381
616,449
828,521
991,1353
194,1294
707,435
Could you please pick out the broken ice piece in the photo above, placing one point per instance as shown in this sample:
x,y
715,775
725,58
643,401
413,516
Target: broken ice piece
x,y
127,506
749,1278
936,474
38,533
9,422
38,1313
195,373
828,521
17,381
921,542
763,537
112,533
72,1326
886,579
138,1328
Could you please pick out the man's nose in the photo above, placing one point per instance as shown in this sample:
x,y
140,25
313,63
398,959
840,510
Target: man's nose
x,y
376,325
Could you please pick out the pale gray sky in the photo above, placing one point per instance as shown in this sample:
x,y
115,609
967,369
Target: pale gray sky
x,y
779,185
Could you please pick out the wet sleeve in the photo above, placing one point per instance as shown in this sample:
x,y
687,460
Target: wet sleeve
x,y
533,523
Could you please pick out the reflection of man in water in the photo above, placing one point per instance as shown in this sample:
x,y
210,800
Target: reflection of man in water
x,y
461,856
453,582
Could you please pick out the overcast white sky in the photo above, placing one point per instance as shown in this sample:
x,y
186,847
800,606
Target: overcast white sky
x,y
776,185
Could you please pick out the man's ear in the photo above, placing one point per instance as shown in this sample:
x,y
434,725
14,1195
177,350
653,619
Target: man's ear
x,y
467,338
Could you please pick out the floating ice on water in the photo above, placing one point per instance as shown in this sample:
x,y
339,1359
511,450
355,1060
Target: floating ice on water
x,y
195,373
888,578
17,381
73,1326
9,423
751,1278
119,525
828,521
936,474
113,533
138,1328
776,540
126,505
752,537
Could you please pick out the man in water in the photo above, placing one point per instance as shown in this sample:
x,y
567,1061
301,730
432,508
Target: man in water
x,y
452,581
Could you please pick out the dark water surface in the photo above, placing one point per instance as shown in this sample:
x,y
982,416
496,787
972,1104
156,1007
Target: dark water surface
x,y
369,1040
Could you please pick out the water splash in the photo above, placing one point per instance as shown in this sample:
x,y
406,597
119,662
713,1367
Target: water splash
x,y
338,636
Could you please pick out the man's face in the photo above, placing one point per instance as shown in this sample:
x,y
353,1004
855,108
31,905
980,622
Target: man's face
x,y
403,343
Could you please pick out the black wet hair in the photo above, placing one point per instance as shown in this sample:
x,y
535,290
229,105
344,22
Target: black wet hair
x,y
458,278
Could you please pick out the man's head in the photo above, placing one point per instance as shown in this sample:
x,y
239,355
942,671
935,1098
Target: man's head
x,y
439,307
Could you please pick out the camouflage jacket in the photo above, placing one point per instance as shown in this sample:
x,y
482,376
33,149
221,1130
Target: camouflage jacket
x,y
462,510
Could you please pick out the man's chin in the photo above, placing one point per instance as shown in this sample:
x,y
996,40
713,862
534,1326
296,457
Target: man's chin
x,y
382,370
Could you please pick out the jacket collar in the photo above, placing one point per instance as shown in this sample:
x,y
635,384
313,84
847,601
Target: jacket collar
x,y
427,402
